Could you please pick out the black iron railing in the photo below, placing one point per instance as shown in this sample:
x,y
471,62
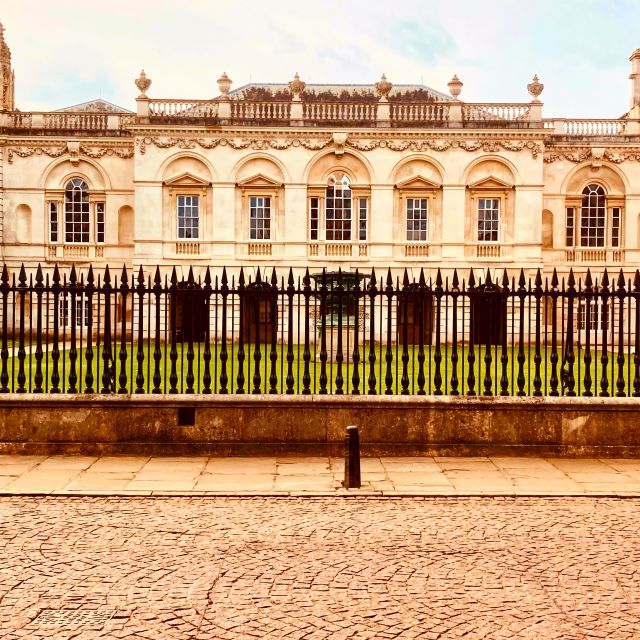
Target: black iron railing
x,y
321,333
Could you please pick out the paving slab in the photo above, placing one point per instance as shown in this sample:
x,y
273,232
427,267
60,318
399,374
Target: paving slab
x,y
478,476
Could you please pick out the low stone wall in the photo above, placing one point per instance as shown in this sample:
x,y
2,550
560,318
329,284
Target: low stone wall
x,y
315,425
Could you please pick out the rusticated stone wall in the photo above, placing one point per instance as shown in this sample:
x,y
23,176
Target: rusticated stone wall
x,y
314,425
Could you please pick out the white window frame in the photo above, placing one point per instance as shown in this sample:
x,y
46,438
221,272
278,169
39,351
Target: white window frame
x,y
363,218
190,203
260,204
422,230
341,226
82,310
53,220
496,207
70,209
597,213
613,210
101,222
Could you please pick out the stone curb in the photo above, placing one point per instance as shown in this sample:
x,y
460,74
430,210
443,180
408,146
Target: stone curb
x,y
351,493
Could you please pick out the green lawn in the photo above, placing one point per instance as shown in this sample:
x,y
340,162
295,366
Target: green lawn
x,y
487,370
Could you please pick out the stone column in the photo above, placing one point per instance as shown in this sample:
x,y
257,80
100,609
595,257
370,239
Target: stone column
x,y
635,79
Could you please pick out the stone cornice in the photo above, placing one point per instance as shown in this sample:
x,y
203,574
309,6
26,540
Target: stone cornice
x,y
315,141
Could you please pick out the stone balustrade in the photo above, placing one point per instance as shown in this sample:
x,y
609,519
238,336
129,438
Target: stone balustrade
x,y
413,113
168,108
496,112
82,121
588,126
594,255
339,112
260,111
354,113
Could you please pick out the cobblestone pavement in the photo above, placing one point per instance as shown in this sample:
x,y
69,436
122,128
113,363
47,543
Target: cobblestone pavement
x,y
310,567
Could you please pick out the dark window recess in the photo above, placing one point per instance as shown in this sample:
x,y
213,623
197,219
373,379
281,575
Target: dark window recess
x,y
259,317
488,318
190,313
186,416
419,312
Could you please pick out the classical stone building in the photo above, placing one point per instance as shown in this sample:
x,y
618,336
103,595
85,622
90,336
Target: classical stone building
x,y
349,176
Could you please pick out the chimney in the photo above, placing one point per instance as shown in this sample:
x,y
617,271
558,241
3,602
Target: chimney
x,y
635,80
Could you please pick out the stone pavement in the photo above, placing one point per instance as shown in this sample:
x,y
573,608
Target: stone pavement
x,y
236,568
124,475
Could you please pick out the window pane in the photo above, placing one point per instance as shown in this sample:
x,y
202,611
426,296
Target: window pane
x,y
188,217
417,219
76,207
338,212
593,217
259,218
488,219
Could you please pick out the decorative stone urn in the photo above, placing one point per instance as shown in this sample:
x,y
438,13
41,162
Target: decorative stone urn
x,y
383,87
224,84
455,87
535,88
296,86
143,83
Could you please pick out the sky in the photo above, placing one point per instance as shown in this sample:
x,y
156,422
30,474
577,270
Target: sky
x,y
69,51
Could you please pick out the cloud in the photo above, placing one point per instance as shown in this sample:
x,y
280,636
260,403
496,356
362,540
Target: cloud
x,y
422,42
69,51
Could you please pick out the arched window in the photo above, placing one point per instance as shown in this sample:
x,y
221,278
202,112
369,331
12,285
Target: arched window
x,y
76,211
593,223
594,218
338,208
338,213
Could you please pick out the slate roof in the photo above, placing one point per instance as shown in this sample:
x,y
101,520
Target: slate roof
x,y
96,106
337,89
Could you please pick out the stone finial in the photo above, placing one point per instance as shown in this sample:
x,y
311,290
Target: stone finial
x,y
383,87
455,87
224,84
143,83
535,88
296,86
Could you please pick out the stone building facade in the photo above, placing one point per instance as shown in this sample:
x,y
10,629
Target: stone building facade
x,y
322,176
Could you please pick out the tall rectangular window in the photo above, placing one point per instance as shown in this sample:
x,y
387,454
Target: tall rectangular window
x,y
76,212
596,320
615,227
571,226
338,212
53,222
363,205
593,217
488,219
188,217
259,218
314,209
417,219
100,222
67,307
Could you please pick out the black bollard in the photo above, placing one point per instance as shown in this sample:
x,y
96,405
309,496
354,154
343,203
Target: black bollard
x,y
352,459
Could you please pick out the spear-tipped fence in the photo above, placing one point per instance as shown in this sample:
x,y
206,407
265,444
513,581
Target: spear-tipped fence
x,y
321,333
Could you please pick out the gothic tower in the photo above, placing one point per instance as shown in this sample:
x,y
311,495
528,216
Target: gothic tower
x,y
6,75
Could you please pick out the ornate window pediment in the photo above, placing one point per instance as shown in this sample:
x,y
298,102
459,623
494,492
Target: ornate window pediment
x,y
491,182
417,182
259,180
187,180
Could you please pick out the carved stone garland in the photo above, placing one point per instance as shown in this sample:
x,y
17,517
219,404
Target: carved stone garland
x,y
361,144
55,151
